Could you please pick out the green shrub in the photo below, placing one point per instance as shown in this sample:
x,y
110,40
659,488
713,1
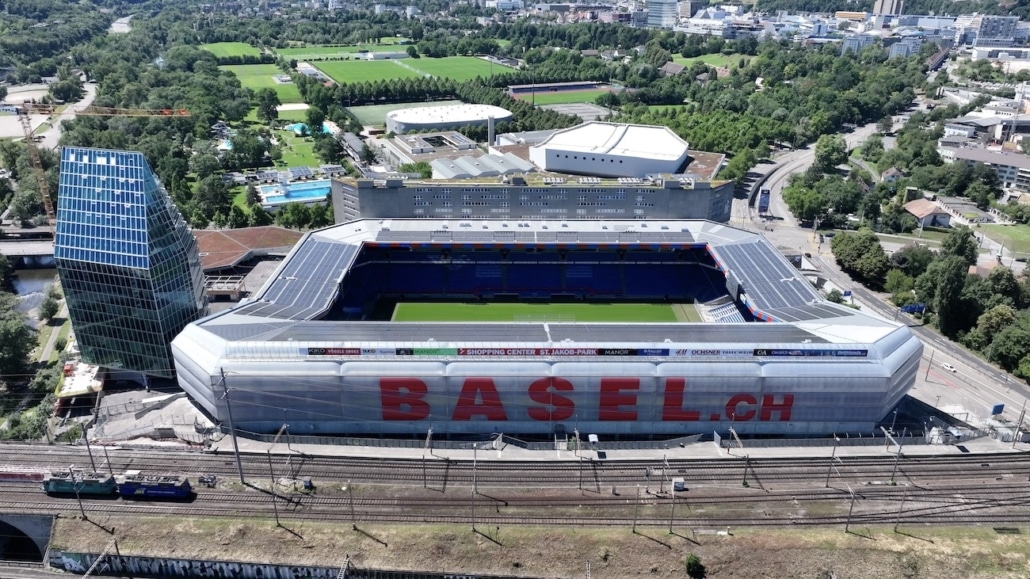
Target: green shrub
x,y
695,568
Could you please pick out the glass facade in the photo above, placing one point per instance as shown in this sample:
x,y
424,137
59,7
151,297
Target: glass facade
x,y
128,262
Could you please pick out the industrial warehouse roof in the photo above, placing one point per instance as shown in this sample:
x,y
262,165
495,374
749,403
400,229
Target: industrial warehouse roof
x,y
456,114
601,138
483,166
306,285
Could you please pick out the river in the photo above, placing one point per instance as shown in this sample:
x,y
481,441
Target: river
x,y
30,285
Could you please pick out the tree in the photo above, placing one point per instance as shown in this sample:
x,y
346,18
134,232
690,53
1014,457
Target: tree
x,y
259,217
913,259
3,92
948,276
368,154
830,151
885,125
315,118
252,195
267,104
205,165
236,218
328,149
412,51
48,309
16,338
861,255
994,320
898,284
835,296
872,149
961,242
1011,346
6,274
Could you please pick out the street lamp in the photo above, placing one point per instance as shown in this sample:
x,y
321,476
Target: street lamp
x,y
894,421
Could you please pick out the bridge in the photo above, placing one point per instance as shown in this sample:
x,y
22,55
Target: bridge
x,y
29,253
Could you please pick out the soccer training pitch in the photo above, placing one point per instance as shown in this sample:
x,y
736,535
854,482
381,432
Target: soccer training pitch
x,y
515,312
458,68
344,71
227,49
562,97
259,76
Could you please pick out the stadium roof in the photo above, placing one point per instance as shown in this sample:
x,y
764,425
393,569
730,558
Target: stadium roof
x,y
651,142
308,282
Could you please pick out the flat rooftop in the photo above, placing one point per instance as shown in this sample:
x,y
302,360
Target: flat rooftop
x,y
227,248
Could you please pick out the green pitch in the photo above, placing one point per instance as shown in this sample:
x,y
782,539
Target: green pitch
x,y
226,49
376,114
324,52
568,313
259,76
458,68
564,97
344,71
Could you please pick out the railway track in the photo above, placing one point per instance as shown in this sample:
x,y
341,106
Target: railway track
x,y
492,473
934,490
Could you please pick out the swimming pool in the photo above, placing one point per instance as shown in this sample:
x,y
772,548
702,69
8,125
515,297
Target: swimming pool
x,y
306,191
295,127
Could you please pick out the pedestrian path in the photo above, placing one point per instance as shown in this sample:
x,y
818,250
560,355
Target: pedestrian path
x,y
492,450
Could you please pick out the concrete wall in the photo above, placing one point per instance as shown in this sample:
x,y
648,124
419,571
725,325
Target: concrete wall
x,y
79,563
36,527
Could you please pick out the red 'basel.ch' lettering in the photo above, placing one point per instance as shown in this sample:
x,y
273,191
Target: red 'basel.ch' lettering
x,y
404,399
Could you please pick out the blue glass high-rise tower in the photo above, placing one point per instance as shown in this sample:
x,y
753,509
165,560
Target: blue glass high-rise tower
x,y
128,262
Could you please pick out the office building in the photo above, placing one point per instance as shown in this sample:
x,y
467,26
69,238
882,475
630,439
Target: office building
x,y
128,262
662,13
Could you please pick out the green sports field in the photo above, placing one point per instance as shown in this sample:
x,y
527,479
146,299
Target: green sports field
x,y
563,97
325,52
458,68
259,76
375,115
344,71
573,312
226,49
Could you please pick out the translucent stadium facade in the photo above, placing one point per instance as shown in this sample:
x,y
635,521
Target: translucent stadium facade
x,y
128,262
309,350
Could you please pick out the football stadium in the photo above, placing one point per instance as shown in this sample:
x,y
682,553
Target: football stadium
x,y
626,329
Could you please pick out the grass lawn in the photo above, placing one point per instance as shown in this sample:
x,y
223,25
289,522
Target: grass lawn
x,y
726,60
259,76
289,116
575,312
375,115
66,326
1014,237
297,151
226,49
563,97
456,67
364,70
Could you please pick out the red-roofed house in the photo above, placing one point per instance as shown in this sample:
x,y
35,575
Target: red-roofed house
x,y
928,213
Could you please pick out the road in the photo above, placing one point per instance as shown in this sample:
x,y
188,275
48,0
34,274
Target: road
x,y
975,382
52,136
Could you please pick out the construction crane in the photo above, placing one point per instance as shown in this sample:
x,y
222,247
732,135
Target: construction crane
x,y
47,109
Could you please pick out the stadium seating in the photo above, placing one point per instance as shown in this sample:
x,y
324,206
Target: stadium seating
x,y
393,273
